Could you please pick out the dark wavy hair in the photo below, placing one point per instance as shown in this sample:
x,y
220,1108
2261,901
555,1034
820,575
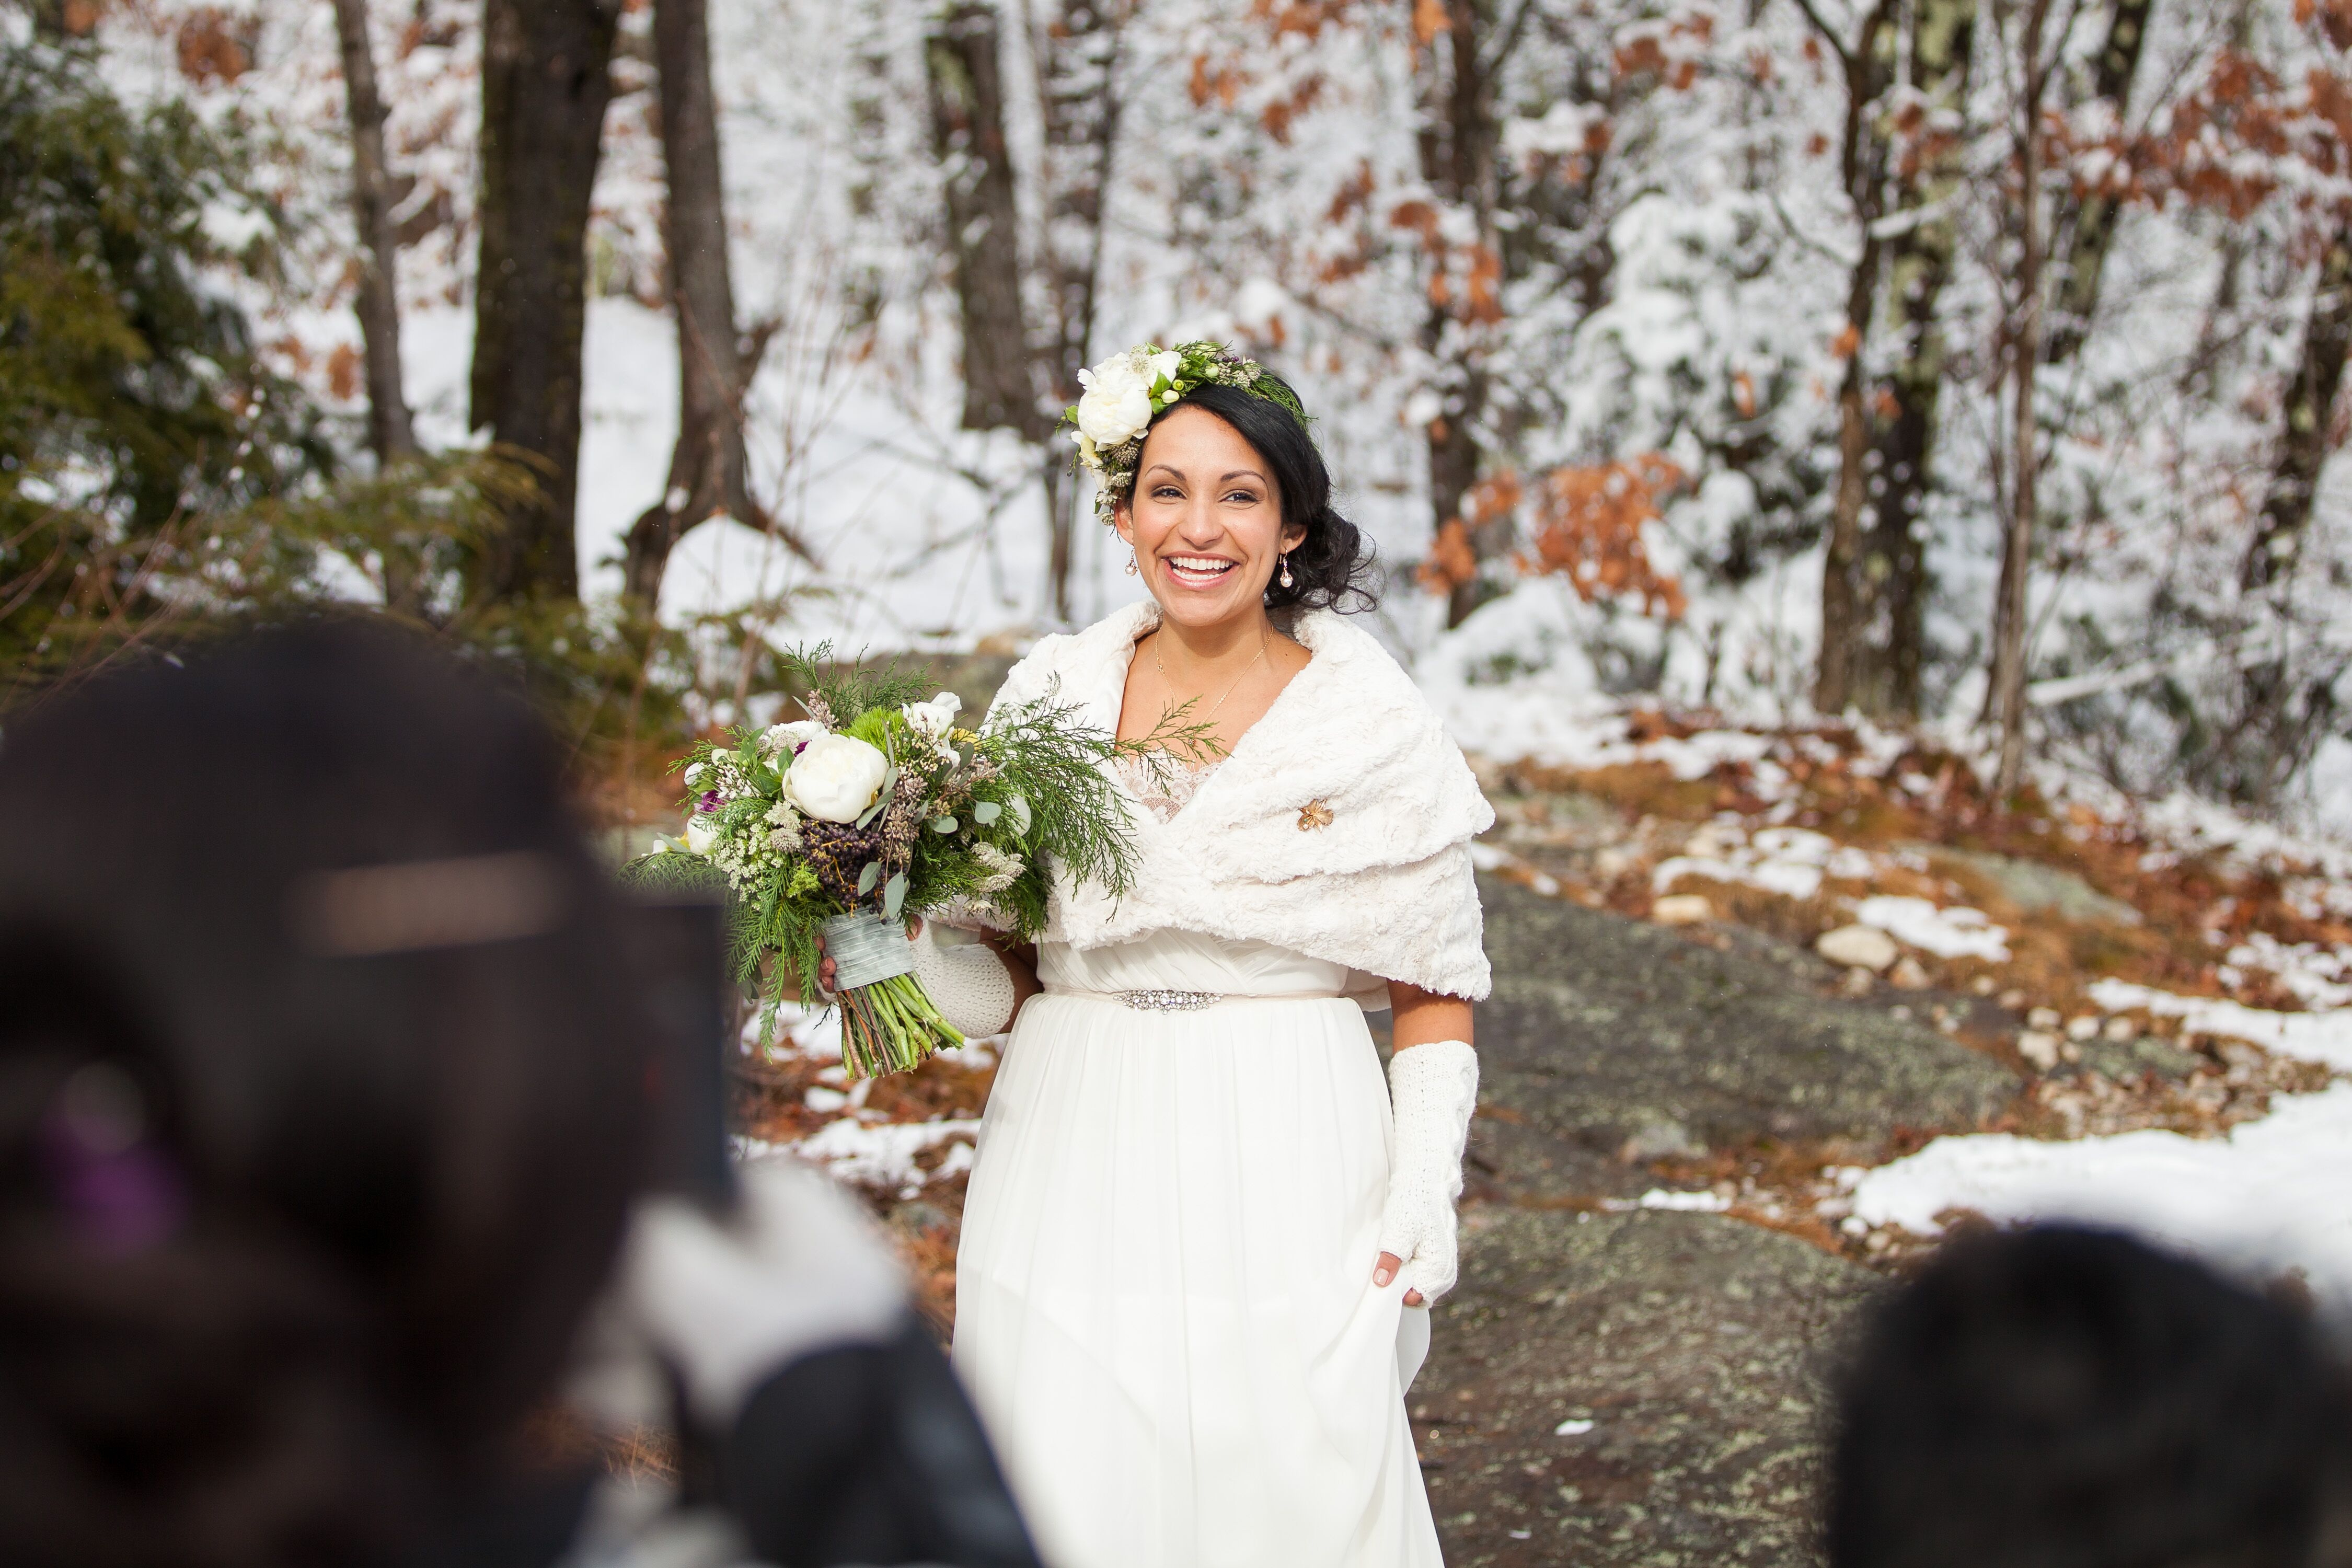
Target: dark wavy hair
x,y
2069,1397
298,1216
1332,567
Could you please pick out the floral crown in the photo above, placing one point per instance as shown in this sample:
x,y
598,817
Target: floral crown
x,y
1125,391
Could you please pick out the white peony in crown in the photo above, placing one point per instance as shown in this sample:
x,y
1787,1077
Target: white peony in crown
x,y
1126,391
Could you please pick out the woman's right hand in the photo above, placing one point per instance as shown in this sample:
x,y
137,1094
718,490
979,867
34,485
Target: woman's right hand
x,y
824,965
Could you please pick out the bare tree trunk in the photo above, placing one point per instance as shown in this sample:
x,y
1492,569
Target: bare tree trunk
x,y
708,473
1078,80
2310,409
1459,140
1890,588
2286,705
1868,66
961,54
544,91
390,433
2093,230
2025,352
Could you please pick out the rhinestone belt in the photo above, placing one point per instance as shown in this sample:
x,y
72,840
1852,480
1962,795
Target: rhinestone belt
x,y
1167,1001
1158,1000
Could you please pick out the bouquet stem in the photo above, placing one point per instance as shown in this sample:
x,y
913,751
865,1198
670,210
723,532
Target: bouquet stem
x,y
887,1025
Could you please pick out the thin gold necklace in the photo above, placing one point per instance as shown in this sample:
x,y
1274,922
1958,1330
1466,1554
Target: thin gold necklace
x,y
1229,691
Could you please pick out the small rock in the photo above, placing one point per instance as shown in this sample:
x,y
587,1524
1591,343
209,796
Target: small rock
x,y
1710,842
2069,1052
2048,1018
2012,999
1859,946
2085,1027
1661,1139
1681,909
1909,974
2040,1048
1982,985
2122,1031
1859,982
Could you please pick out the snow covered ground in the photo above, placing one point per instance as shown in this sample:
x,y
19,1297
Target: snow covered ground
x,y
2272,1195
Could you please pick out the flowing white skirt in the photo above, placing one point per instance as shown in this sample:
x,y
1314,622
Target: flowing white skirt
x,y
1165,1309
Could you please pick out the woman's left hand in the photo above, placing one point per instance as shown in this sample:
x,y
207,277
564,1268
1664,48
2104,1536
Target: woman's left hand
x,y
1386,1270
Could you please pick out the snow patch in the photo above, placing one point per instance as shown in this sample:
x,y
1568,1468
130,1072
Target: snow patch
x,y
2324,1037
1791,861
2274,1193
879,1154
1955,932
1685,1203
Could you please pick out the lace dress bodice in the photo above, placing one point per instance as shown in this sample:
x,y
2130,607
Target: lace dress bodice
x,y
1164,782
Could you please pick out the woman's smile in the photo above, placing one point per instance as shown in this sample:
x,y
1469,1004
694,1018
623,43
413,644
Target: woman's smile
x,y
1189,571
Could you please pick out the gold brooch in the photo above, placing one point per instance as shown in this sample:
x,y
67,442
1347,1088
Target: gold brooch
x,y
1314,814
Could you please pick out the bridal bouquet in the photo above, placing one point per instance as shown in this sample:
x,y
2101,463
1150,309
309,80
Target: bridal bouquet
x,y
874,806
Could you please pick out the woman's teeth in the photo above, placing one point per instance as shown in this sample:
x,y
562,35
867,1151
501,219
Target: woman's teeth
x,y
1197,568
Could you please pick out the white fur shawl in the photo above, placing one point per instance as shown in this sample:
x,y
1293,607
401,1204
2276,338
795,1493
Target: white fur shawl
x,y
1338,827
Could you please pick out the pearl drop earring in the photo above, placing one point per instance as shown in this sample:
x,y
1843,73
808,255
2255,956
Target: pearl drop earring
x,y
1285,568
1130,565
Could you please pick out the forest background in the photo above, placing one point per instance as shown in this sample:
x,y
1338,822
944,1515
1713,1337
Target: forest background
x,y
1966,364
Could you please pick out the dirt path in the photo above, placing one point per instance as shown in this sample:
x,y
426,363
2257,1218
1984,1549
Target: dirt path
x,y
1695,1344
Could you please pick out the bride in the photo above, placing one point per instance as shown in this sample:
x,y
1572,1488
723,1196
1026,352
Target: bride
x,y
1200,1240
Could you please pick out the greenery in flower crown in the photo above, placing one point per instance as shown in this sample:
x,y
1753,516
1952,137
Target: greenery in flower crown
x,y
1126,391
877,802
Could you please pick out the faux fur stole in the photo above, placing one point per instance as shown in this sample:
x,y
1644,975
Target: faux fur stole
x,y
1338,827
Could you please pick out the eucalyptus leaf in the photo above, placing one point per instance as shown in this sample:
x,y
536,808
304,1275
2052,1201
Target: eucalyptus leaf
x,y
882,795
943,825
986,812
894,893
868,877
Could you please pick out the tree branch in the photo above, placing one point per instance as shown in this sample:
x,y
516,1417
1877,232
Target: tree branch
x,y
1829,34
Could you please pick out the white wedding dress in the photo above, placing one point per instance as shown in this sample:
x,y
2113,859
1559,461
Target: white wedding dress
x,y
1165,1309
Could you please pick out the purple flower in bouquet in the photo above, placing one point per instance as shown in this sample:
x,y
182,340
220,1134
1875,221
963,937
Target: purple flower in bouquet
x,y
709,801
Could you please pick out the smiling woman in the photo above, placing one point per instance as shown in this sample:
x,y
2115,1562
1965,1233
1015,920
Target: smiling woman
x,y
1198,1235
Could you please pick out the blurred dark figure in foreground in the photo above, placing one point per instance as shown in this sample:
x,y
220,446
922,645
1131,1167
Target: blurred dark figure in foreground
x,y
2059,1397
327,1100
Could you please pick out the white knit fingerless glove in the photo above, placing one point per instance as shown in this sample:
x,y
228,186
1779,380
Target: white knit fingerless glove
x,y
967,982
1433,1090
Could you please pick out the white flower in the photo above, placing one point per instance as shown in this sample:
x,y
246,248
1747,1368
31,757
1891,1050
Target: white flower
x,y
1165,363
1088,453
933,720
694,775
835,778
787,824
1004,871
699,835
1117,403
780,739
